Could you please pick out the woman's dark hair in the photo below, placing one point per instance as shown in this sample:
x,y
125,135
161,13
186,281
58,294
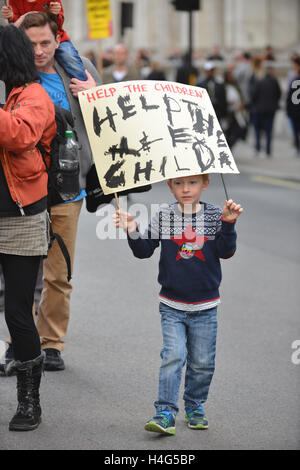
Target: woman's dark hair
x,y
17,65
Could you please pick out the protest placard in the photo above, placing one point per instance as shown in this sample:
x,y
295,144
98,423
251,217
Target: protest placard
x,y
99,18
144,131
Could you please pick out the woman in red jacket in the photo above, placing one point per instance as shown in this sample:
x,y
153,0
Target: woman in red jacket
x,y
27,118
66,55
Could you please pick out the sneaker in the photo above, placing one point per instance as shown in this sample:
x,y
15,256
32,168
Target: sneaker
x,y
196,418
5,367
53,360
163,422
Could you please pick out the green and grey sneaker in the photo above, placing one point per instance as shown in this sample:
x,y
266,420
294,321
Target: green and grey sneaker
x,y
163,422
196,418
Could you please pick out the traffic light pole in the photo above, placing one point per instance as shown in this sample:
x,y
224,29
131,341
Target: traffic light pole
x,y
189,6
190,37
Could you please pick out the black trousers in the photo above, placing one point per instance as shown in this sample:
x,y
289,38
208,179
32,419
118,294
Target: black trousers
x,y
296,132
20,274
263,121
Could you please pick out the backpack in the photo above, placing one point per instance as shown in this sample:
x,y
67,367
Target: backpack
x,y
56,178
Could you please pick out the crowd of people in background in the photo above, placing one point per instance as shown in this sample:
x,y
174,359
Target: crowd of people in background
x,y
246,91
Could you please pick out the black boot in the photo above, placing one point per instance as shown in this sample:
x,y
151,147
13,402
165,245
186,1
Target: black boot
x,y
28,414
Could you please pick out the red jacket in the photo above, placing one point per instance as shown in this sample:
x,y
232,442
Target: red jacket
x,y
27,118
20,7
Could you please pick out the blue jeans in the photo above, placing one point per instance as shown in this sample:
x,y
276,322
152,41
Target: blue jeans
x,y
67,56
188,337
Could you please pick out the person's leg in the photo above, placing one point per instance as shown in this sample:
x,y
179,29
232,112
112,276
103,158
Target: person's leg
x,y
67,56
296,126
257,129
268,126
6,364
54,309
38,287
173,358
20,273
201,346
294,132
2,287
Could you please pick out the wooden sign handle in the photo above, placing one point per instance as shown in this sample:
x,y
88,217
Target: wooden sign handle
x,y
117,200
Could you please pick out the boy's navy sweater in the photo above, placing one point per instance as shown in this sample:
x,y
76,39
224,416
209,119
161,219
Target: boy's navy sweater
x,y
191,248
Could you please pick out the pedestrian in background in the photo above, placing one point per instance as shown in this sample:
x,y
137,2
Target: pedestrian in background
x,y
235,124
156,72
242,73
120,70
293,105
186,72
265,96
216,90
27,118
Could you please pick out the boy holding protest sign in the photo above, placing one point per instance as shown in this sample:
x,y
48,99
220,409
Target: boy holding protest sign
x,y
194,236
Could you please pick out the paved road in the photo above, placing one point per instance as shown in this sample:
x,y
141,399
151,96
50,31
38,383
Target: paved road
x,y
104,396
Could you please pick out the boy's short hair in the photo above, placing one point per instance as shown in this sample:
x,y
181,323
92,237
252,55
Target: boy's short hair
x,y
41,18
205,177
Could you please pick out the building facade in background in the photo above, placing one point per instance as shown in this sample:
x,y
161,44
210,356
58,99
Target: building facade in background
x,y
157,26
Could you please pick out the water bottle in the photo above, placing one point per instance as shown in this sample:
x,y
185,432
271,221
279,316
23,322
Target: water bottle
x,y
69,166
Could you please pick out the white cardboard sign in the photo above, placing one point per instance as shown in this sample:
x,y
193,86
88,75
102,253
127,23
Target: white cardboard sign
x,y
145,131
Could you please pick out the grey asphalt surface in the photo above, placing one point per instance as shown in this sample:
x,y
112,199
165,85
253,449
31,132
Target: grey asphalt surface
x,y
105,395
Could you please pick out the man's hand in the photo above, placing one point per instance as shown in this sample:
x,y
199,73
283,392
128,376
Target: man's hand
x,y
55,8
125,220
7,13
77,85
231,211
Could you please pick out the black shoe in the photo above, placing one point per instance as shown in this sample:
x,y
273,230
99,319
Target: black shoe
x,y
5,367
53,360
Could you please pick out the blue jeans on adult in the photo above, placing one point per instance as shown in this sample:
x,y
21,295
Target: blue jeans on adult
x,y
67,56
188,338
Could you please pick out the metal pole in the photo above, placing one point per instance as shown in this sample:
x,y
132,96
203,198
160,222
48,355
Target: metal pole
x,y
192,75
225,189
190,38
